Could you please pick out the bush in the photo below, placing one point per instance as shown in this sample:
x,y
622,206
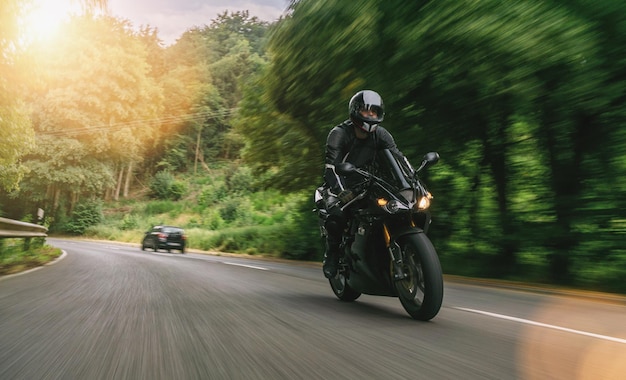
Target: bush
x,y
177,190
212,219
240,181
228,211
129,222
212,194
16,260
85,215
164,186
162,207
160,185
249,240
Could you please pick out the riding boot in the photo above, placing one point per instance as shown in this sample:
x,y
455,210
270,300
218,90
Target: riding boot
x,y
331,259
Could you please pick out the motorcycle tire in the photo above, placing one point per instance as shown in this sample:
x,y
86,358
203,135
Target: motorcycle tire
x,y
342,290
421,291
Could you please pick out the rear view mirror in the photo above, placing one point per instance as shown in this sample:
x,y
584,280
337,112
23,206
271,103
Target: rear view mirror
x,y
431,158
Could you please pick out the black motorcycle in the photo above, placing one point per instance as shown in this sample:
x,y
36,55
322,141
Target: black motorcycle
x,y
385,250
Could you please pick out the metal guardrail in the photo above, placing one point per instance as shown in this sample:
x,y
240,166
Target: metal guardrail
x,y
10,228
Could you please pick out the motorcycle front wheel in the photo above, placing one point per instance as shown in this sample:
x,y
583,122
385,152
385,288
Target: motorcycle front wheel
x,y
421,291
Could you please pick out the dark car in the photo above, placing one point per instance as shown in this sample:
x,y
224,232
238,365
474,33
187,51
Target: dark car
x,y
165,237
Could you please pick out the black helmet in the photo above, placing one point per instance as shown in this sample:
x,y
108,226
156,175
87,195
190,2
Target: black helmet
x,y
367,100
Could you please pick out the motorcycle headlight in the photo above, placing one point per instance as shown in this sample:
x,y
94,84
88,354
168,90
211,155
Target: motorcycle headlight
x,y
424,202
392,207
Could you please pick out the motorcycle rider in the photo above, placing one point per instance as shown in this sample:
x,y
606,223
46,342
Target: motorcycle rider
x,y
355,140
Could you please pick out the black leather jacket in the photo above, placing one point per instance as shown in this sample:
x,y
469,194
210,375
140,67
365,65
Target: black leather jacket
x,y
342,145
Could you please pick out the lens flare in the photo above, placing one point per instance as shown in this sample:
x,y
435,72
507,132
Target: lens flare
x,y
43,18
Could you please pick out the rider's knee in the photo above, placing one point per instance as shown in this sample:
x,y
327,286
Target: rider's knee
x,y
335,224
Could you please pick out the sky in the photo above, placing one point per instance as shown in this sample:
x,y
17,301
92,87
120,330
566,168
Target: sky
x,y
173,17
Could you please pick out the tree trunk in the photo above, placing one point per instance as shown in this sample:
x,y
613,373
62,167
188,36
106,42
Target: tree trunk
x,y
557,135
48,204
195,162
494,140
107,194
129,174
73,201
118,186
55,199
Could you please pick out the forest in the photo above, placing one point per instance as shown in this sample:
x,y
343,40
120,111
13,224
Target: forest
x,y
524,101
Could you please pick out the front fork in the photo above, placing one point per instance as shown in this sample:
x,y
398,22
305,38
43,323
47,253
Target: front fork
x,y
396,256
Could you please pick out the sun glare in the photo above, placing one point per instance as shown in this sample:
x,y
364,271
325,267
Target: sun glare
x,y
44,17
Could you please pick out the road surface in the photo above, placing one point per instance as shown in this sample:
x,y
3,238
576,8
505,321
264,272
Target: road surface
x,y
112,311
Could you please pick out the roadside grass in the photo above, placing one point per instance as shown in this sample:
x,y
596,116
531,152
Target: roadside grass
x,y
265,223
14,258
251,240
217,216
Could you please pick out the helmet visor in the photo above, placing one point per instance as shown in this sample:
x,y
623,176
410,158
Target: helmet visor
x,y
372,107
371,112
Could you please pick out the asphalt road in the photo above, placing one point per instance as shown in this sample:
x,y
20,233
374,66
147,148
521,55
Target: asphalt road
x,y
111,311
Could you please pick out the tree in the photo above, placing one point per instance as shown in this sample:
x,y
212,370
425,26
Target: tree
x,y
206,69
464,78
96,94
15,128
191,102
586,144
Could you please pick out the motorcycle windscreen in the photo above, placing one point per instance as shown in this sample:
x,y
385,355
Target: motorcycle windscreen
x,y
395,172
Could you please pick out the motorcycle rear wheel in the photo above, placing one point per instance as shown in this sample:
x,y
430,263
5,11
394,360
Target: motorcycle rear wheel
x,y
342,290
421,291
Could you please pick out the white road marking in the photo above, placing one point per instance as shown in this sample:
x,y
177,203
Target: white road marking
x,y
244,265
529,322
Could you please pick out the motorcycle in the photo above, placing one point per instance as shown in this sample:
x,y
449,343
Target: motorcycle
x,y
384,248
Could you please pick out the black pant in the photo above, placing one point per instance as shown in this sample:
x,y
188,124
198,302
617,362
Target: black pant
x,y
335,224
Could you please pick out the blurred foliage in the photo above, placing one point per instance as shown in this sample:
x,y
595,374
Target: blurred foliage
x,y
524,101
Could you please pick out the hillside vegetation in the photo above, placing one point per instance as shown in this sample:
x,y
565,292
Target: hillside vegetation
x,y
524,101
220,211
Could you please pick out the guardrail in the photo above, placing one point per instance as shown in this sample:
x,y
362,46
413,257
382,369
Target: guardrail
x,y
10,228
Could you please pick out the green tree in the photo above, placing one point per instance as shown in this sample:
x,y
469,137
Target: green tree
x,y
206,68
59,164
15,125
15,128
95,97
192,104
462,77
587,145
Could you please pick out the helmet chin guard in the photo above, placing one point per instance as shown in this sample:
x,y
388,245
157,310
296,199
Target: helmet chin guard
x,y
367,127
